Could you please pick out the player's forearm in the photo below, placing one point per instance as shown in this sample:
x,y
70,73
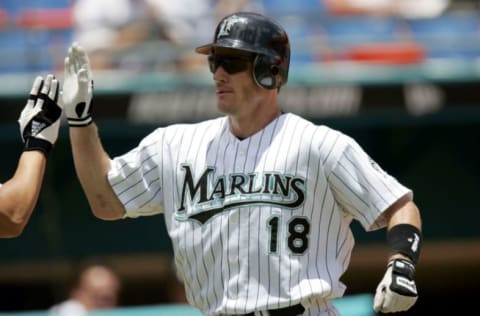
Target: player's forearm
x,y
405,213
92,165
405,218
19,195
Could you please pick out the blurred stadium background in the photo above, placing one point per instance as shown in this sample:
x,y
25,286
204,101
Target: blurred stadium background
x,y
406,87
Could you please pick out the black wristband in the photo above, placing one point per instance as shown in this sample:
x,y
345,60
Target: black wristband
x,y
32,143
405,239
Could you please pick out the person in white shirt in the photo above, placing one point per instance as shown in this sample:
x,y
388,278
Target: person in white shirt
x,y
96,287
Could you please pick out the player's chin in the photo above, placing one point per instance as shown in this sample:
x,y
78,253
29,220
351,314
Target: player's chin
x,y
224,105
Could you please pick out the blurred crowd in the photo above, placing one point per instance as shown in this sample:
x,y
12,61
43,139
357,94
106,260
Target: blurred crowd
x,y
148,34
159,35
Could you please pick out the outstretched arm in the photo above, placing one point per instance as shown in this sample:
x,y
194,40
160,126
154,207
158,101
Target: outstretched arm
x,y
92,165
91,161
39,123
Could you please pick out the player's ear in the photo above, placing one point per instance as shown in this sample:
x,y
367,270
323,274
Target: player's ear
x,y
266,72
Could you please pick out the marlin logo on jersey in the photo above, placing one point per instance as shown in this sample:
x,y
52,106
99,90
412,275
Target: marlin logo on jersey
x,y
208,196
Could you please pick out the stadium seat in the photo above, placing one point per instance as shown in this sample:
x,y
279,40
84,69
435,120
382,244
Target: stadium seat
x,y
277,7
452,35
43,18
363,37
300,20
3,18
36,35
346,30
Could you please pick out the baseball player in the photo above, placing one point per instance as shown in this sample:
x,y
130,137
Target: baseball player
x,y
258,203
39,123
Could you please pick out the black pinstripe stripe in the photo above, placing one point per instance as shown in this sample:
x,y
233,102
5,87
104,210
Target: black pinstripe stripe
x,y
283,128
235,268
225,285
321,209
345,201
370,186
223,138
257,156
295,153
139,174
249,140
125,163
137,197
327,244
268,148
215,145
194,276
249,216
308,172
359,151
196,161
302,153
195,258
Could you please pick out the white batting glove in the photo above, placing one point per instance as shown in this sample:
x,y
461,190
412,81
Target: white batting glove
x,y
40,119
78,87
397,291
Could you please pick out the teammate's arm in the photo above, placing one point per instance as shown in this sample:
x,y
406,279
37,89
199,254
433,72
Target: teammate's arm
x,y
18,196
39,123
397,290
91,161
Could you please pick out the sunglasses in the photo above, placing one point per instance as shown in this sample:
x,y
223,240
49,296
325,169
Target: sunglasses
x,y
231,64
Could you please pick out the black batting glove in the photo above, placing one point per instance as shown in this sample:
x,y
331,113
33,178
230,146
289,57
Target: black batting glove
x,y
40,119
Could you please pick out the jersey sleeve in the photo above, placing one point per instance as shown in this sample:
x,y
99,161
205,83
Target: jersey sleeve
x,y
362,187
136,177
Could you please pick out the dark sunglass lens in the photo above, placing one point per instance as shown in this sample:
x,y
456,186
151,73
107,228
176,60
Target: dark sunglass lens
x,y
234,65
211,63
231,64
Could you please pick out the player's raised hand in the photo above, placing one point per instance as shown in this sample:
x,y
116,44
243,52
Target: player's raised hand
x,y
40,119
397,291
78,87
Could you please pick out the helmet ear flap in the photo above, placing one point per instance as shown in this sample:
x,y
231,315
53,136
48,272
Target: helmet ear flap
x,y
266,72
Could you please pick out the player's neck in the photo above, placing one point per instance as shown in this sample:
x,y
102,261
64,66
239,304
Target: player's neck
x,y
244,127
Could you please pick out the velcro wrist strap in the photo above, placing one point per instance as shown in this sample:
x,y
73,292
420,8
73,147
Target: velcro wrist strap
x,y
79,122
403,274
32,143
403,267
405,239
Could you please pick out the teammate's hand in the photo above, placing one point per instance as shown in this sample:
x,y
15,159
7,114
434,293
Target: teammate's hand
x,y
40,119
397,291
78,87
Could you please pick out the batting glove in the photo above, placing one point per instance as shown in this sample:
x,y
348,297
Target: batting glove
x,y
40,119
397,291
78,87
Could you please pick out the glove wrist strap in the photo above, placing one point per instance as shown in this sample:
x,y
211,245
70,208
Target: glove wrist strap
x,y
32,143
80,122
403,274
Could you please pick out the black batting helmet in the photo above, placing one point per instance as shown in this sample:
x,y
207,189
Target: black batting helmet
x,y
255,33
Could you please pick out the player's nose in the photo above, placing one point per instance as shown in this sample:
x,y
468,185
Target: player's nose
x,y
220,75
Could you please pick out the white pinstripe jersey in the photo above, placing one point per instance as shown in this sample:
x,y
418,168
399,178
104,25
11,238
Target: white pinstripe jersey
x,y
260,223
